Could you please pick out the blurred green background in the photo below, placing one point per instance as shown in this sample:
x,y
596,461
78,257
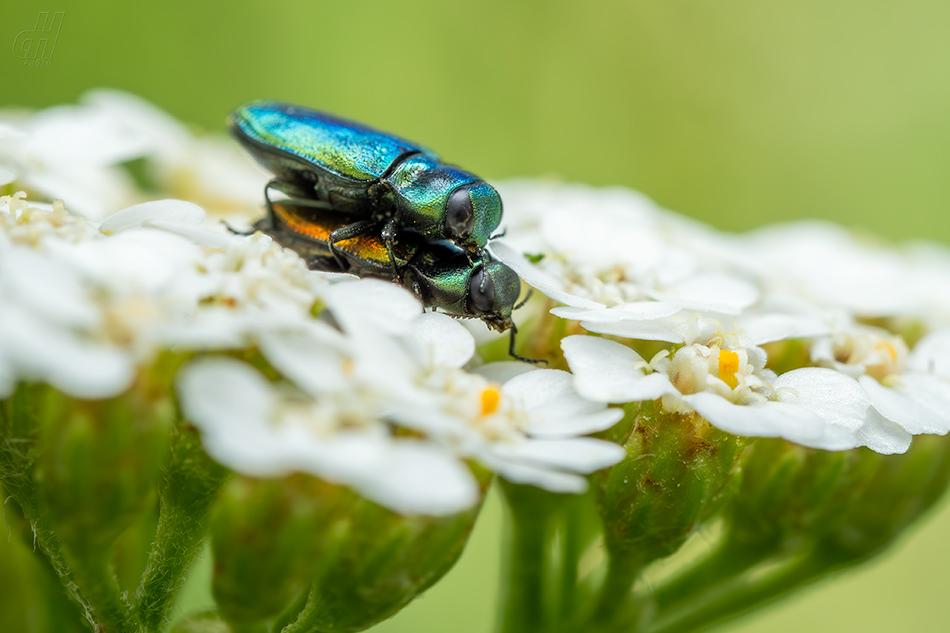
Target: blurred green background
x,y
736,112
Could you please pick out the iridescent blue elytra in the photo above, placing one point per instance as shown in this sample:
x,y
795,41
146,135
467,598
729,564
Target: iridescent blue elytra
x,y
386,183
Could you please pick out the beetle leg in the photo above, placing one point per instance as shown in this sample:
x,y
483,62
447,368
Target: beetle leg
x,y
279,185
345,233
228,226
523,359
292,190
389,236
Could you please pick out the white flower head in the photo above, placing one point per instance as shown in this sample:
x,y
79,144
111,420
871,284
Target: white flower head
x,y
373,393
727,384
620,264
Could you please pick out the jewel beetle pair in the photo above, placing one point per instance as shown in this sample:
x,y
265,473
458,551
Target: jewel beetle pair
x,y
387,183
376,205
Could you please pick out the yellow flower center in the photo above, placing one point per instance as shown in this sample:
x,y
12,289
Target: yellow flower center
x,y
728,367
491,396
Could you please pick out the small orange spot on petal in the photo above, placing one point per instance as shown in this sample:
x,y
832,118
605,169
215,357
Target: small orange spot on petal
x,y
347,366
728,366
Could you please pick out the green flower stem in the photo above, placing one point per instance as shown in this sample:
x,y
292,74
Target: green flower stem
x,y
728,561
100,598
571,550
292,613
186,494
19,430
48,543
309,616
614,603
62,614
528,549
100,587
736,596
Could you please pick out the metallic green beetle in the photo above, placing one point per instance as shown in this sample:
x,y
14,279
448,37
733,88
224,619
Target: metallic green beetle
x,y
386,183
439,273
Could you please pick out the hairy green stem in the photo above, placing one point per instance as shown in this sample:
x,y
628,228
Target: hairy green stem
x,y
187,492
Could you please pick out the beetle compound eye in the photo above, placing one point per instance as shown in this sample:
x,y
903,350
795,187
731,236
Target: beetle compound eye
x,y
481,291
459,214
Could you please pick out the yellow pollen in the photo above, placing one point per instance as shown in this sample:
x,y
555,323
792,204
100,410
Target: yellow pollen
x,y
728,366
491,396
347,366
888,348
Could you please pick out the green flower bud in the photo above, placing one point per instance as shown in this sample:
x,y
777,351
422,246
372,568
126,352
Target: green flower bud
x,y
673,477
898,491
97,466
381,563
270,538
790,493
83,472
385,563
800,513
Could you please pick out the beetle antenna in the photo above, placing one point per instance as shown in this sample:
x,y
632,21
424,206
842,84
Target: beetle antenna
x,y
523,301
523,359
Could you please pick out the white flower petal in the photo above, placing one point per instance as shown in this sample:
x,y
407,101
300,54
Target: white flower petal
x,y
220,394
550,480
534,276
768,419
634,311
658,330
70,363
176,211
712,292
51,292
312,360
932,354
606,371
850,419
6,176
561,427
556,411
414,477
767,328
503,370
441,341
921,403
377,304
580,455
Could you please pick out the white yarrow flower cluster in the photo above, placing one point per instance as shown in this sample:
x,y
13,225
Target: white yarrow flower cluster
x,y
621,266
358,386
76,153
